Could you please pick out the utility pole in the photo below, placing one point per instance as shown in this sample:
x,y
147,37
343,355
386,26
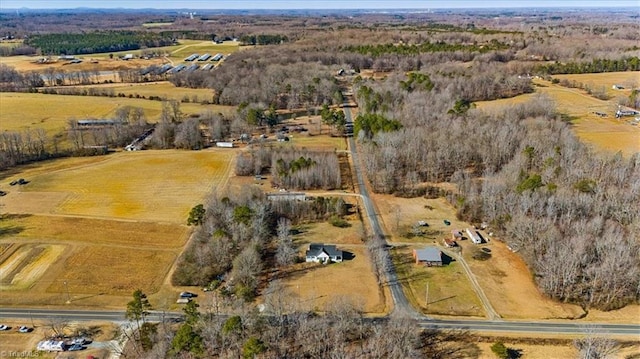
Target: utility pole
x,y
66,286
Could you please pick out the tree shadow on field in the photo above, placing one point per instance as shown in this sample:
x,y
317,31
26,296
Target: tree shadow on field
x,y
6,231
347,256
9,229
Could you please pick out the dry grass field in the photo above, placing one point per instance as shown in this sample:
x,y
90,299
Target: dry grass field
x,y
605,133
507,283
316,285
22,111
552,351
91,231
163,89
629,80
316,143
189,47
449,290
145,185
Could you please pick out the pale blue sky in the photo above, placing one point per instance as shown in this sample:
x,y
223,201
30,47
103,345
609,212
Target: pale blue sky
x,y
309,4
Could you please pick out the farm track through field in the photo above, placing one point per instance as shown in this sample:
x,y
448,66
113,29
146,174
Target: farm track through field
x,y
8,251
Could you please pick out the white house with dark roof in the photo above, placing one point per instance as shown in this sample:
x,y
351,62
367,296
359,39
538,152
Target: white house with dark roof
x,y
323,253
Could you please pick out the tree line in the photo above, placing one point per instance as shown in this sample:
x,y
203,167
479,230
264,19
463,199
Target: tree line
x,y
95,42
625,63
426,47
287,329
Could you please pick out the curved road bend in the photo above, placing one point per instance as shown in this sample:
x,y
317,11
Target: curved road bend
x,y
401,305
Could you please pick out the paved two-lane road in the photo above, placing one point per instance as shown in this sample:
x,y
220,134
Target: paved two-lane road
x,y
485,326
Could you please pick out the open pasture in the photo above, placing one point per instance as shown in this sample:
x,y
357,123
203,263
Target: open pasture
x,y
163,89
316,285
146,185
189,47
607,133
446,288
604,133
627,79
22,111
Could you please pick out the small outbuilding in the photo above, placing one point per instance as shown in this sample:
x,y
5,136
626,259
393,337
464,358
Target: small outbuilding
x,y
429,256
474,236
449,243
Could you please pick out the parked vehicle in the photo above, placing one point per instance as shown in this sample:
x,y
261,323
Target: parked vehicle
x,y
81,341
188,295
3,327
24,329
75,347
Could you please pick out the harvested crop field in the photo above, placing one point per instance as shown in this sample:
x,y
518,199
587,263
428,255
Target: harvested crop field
x,y
145,185
87,261
22,111
27,264
112,270
90,231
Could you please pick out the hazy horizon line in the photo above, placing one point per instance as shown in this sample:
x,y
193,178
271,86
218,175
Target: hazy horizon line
x,y
326,9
